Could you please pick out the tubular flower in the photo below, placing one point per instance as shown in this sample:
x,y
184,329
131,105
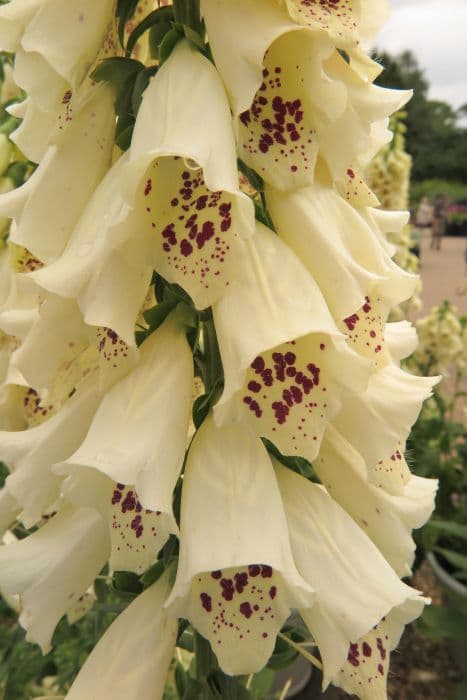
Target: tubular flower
x,y
51,65
176,345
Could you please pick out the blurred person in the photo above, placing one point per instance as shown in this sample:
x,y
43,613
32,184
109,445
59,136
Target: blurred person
x,y
439,222
424,214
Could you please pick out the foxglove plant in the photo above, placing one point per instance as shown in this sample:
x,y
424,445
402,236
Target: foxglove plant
x,y
134,272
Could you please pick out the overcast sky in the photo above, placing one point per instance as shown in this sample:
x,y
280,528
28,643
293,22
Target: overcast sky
x,y
436,32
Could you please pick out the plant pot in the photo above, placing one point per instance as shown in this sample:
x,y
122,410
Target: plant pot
x,y
451,590
300,674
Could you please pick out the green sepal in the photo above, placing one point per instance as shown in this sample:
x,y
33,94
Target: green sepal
x,y
153,574
156,316
127,582
168,43
300,465
125,11
255,180
16,172
117,70
162,17
141,83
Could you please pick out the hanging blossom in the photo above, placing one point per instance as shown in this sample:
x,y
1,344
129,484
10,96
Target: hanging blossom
x,y
388,175
131,273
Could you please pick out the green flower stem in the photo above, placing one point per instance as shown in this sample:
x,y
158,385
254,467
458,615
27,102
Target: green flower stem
x,y
187,12
205,658
213,371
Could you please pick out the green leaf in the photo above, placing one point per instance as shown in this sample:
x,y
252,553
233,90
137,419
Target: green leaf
x,y
454,558
156,316
300,465
156,36
116,71
125,11
194,37
153,574
440,622
16,172
460,693
140,85
228,687
169,42
181,679
123,138
452,528
160,18
201,409
127,582
256,180
101,590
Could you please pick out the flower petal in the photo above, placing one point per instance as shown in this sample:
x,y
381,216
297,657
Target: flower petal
x,y
133,656
346,22
187,198
69,173
355,586
339,249
387,518
136,533
401,339
243,30
279,134
70,51
52,568
263,309
138,435
366,669
238,590
377,421
9,510
31,453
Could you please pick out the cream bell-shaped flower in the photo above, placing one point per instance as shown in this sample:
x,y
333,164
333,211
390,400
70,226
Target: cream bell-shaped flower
x,y
104,267
55,45
66,37
53,567
30,453
350,600
138,435
133,656
387,513
186,197
348,22
238,591
179,209
366,669
286,365
367,106
68,175
136,534
338,247
390,405
9,510
69,350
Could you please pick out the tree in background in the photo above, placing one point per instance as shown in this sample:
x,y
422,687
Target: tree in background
x,y
436,138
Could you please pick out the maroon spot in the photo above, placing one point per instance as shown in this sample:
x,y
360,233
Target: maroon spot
x,y
216,574
272,592
206,601
254,570
186,248
266,571
258,364
254,386
381,669
245,609
366,649
241,581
